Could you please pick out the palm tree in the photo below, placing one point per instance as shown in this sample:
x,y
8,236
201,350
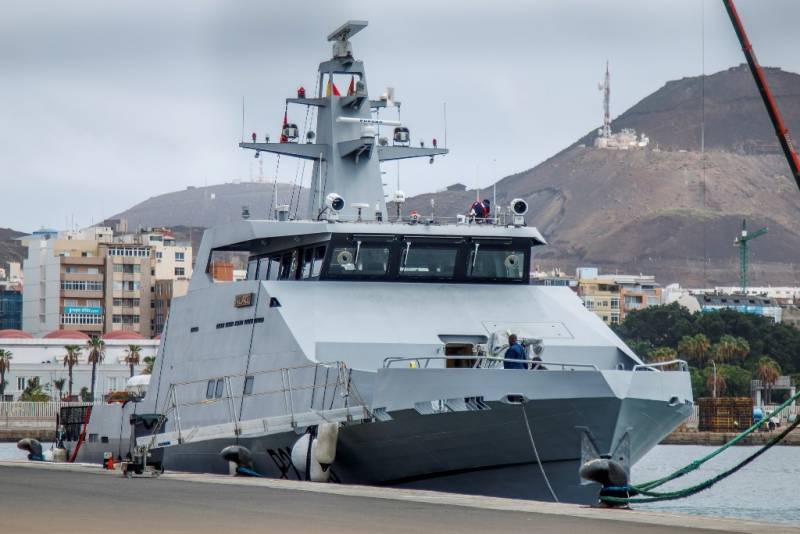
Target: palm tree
x,y
741,349
731,349
71,360
149,362
768,371
721,384
58,383
97,353
5,366
695,349
661,354
702,347
133,356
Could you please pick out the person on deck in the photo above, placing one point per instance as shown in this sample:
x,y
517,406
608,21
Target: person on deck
x,y
515,352
476,211
487,209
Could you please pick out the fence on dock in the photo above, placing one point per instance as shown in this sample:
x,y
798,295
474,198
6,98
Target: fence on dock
x,y
31,415
789,414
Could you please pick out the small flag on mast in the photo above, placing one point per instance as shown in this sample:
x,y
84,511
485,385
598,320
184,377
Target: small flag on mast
x,y
331,88
284,138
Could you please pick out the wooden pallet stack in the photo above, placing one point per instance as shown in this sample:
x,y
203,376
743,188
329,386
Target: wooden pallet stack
x,y
725,414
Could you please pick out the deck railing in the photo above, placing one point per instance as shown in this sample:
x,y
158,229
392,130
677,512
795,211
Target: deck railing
x,y
488,362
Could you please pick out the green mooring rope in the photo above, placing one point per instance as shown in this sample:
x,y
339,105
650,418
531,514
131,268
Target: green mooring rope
x,y
651,496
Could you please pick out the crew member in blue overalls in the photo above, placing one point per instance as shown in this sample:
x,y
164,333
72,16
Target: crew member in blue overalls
x,y
515,352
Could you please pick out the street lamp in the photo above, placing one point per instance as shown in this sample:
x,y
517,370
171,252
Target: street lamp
x,y
714,394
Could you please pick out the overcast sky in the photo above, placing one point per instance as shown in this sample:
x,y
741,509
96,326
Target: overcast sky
x,y
104,104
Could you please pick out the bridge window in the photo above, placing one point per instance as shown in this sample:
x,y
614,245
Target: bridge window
x,y
423,260
497,262
359,259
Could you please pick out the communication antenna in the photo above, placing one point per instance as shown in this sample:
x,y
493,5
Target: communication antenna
x,y
605,87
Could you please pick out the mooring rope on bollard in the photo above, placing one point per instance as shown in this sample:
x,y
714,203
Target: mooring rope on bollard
x,y
653,496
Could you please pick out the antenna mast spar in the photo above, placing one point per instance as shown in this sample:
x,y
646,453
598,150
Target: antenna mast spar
x,y
766,94
606,88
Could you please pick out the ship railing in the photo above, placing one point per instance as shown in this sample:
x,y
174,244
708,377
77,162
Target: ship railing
x,y
658,366
488,362
459,220
316,395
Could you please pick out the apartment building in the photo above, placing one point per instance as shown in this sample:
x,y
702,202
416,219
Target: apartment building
x,y
612,296
96,283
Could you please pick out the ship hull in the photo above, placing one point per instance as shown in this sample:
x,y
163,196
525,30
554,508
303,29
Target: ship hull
x,y
481,452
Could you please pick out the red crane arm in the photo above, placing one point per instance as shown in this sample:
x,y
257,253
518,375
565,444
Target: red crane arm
x,y
766,94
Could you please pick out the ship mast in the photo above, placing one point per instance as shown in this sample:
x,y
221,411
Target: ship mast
x,y
345,148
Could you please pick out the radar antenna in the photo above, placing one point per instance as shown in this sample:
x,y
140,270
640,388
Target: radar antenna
x,y
341,35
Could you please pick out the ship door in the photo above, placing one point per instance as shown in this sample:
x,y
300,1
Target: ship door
x,y
468,346
459,349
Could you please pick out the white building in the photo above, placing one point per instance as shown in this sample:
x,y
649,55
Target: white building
x,y
44,358
684,297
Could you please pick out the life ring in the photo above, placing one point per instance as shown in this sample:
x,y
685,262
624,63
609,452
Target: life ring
x,y
511,261
345,257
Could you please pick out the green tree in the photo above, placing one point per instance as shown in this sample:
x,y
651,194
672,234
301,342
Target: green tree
x,y
59,383
661,326
730,349
71,359
698,382
33,392
86,395
97,353
661,354
695,349
133,356
721,385
640,348
768,372
149,362
737,380
5,366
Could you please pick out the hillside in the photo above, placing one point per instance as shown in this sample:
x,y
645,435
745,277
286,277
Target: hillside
x,y
207,206
651,211
10,248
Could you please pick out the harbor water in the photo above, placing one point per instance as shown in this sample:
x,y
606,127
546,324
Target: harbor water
x,y
765,490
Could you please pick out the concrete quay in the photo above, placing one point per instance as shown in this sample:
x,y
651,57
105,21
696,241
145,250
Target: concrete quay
x,y
71,498
720,438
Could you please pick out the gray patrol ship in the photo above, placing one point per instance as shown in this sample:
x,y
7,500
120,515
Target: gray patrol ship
x,y
366,347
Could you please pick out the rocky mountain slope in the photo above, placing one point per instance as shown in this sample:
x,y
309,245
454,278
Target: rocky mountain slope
x,y
667,210
208,206
10,248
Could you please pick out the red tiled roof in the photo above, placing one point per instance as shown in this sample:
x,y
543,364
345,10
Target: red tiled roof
x,y
123,334
10,333
66,334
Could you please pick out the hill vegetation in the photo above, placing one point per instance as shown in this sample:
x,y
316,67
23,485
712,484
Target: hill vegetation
x,y
742,346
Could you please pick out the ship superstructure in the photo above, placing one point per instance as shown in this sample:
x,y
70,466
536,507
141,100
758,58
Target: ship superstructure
x,y
387,333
